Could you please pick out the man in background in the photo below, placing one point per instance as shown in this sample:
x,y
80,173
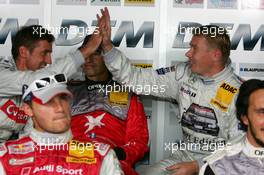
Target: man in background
x,y
31,51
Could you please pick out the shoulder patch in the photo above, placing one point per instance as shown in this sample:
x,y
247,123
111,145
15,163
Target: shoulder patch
x,y
3,149
164,70
224,96
21,148
102,148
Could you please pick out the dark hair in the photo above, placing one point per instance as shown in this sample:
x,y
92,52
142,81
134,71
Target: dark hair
x,y
29,36
242,103
217,37
85,41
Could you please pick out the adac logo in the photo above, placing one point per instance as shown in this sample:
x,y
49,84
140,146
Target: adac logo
x,y
224,96
229,88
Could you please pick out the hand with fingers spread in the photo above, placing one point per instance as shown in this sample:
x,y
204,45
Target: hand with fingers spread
x,y
184,168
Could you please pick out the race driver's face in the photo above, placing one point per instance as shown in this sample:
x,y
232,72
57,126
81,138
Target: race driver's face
x,y
255,118
53,116
94,67
40,56
200,56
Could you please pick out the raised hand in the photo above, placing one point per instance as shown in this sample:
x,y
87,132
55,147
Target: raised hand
x,y
105,29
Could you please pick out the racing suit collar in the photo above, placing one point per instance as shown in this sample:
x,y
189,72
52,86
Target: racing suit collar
x,y
105,82
45,138
252,151
217,77
8,63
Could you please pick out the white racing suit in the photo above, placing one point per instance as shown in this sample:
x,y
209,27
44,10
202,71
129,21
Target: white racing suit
x,y
241,158
12,119
207,105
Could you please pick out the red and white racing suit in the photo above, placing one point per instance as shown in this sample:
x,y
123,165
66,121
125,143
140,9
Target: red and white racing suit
x,y
56,154
116,118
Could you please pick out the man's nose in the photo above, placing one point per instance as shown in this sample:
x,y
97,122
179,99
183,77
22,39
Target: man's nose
x,y
188,54
48,59
89,59
58,104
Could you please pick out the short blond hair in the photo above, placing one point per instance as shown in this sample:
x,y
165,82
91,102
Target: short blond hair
x,y
217,37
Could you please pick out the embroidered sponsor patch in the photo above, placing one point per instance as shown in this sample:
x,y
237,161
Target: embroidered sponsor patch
x,y
164,70
142,65
200,119
21,161
187,91
22,148
81,149
14,113
224,96
120,98
81,160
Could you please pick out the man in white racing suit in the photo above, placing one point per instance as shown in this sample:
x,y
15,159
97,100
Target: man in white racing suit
x,y
205,88
50,148
247,156
31,50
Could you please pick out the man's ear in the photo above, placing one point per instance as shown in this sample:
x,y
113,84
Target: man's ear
x,y
217,55
23,51
244,119
27,109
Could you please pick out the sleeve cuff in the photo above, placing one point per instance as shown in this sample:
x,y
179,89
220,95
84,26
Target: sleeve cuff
x,y
111,55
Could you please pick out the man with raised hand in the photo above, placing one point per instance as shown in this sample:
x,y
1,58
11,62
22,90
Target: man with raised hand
x,y
31,50
50,147
205,88
247,156
103,110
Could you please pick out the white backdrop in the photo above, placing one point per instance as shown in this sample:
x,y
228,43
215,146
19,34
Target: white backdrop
x,y
147,31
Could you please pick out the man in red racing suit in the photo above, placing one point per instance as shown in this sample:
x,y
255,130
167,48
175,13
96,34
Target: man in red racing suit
x,y
103,111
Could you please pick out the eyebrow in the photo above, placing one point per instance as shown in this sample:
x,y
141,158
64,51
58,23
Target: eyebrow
x,y
261,109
